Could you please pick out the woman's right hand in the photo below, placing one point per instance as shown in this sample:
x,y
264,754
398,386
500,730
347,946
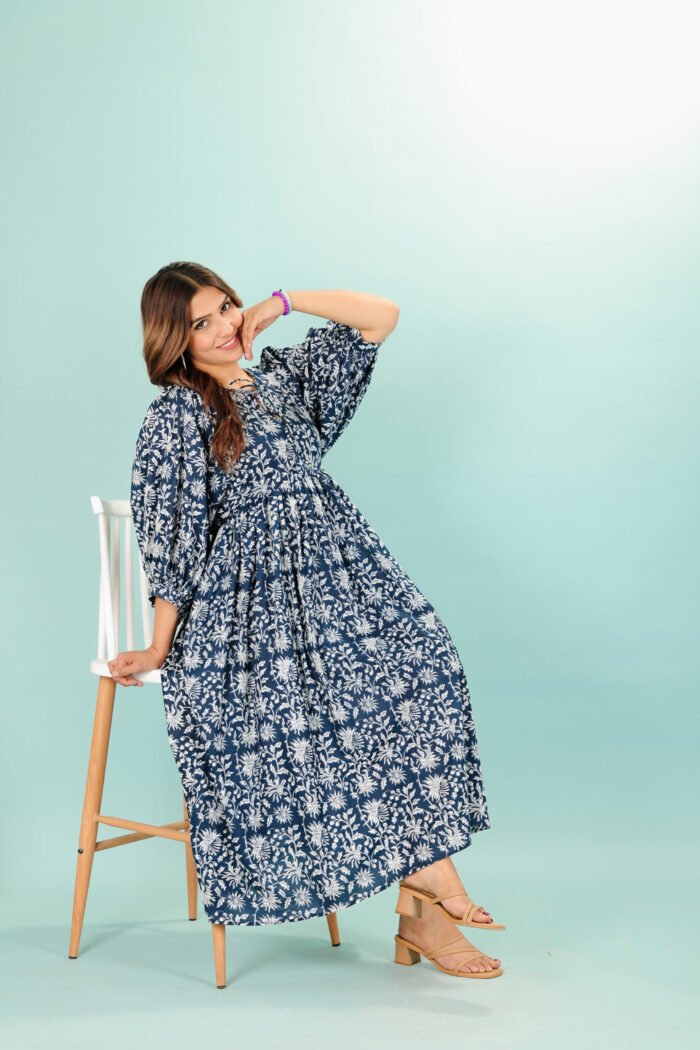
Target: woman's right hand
x,y
125,665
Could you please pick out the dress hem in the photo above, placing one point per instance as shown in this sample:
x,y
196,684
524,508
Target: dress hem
x,y
439,853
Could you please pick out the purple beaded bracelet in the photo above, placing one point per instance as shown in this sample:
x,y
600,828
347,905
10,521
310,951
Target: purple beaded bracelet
x,y
286,300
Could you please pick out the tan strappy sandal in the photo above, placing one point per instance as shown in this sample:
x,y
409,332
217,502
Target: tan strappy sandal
x,y
411,901
407,953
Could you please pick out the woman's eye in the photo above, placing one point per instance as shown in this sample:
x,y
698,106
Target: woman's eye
x,y
226,305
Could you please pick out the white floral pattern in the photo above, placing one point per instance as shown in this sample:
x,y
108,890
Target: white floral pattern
x,y
316,706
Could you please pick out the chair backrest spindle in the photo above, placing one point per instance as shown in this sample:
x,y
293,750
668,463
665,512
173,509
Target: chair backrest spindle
x,y
129,586
114,566
119,556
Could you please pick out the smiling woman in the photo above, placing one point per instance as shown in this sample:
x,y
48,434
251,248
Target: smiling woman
x,y
189,315
316,706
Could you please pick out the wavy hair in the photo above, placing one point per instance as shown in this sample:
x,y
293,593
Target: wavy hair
x,y
165,318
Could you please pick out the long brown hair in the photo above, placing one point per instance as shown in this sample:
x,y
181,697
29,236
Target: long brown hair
x,y
165,304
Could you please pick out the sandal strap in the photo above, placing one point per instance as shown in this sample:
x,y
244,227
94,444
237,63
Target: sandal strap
x,y
438,949
471,953
467,961
457,893
413,889
470,910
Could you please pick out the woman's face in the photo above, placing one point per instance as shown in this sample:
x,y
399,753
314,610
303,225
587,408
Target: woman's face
x,y
215,322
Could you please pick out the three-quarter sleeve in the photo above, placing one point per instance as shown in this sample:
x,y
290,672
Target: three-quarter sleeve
x,y
169,499
331,370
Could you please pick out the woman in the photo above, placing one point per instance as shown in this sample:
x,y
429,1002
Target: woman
x,y
316,706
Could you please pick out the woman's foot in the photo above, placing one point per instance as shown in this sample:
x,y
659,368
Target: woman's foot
x,y
440,878
436,929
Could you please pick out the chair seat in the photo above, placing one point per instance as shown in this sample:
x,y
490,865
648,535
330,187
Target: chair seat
x,y
100,667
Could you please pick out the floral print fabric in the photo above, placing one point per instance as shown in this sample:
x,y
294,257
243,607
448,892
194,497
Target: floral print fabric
x,y
316,706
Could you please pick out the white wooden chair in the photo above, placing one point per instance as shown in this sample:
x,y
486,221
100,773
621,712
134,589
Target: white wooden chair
x,y
117,549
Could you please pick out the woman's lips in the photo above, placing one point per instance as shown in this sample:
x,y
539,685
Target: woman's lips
x,y
231,343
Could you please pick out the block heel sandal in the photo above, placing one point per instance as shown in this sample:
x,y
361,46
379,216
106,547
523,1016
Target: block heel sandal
x,y
406,954
411,901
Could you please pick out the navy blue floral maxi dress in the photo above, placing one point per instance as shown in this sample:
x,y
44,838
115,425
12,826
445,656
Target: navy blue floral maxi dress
x,y
316,706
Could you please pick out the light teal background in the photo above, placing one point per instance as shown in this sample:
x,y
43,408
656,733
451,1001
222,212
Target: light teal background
x,y
523,182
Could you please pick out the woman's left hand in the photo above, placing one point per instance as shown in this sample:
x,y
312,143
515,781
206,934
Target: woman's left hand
x,y
256,318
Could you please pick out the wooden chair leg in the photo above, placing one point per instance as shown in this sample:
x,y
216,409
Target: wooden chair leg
x,y
218,930
219,935
92,803
190,866
332,920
